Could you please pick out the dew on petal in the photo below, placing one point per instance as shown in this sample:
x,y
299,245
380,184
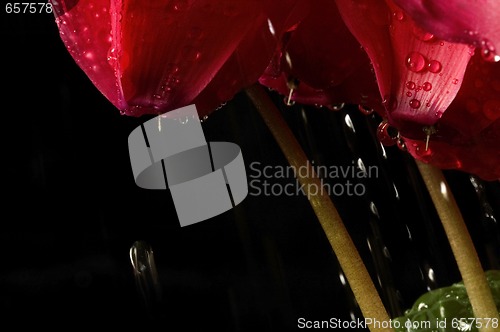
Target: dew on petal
x,y
435,66
409,94
422,34
415,62
399,15
414,103
455,81
427,86
89,55
288,101
386,134
365,109
390,103
488,51
410,85
336,107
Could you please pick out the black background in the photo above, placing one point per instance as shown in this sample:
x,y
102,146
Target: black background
x,y
71,212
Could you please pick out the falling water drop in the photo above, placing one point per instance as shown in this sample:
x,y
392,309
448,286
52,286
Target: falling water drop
x,y
348,122
145,273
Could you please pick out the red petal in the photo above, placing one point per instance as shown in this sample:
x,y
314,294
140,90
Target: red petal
x,y
90,44
468,134
157,56
253,54
462,21
418,75
325,58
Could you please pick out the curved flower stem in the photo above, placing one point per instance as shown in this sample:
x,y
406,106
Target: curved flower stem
x,y
349,259
461,244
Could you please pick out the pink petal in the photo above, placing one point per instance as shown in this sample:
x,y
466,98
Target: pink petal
x,y
462,21
468,134
418,75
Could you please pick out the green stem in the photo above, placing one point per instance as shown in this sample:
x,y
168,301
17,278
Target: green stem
x,y
468,262
349,259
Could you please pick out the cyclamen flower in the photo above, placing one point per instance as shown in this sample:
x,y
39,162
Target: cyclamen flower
x,y
411,64
150,57
443,117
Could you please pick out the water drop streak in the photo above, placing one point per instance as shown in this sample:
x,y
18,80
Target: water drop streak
x,y
146,276
347,254
461,244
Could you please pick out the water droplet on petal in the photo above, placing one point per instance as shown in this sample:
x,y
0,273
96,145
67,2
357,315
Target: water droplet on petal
x,y
427,86
336,107
410,85
386,134
488,51
415,62
422,34
365,109
399,15
435,66
415,103
401,144
409,94
390,103
455,81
